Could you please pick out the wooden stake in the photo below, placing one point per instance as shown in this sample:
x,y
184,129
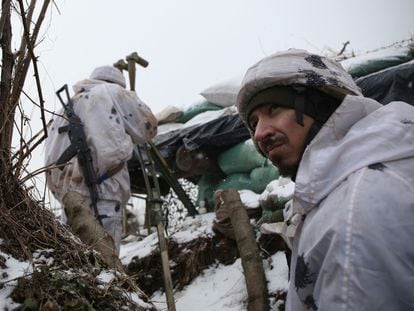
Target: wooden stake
x,y
248,249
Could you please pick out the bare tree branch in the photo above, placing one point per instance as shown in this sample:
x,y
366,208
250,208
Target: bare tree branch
x,y
23,64
34,61
5,86
5,8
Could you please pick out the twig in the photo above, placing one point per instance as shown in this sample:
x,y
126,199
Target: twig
x,y
343,48
41,170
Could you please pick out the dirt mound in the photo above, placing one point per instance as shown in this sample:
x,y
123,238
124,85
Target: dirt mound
x,y
189,260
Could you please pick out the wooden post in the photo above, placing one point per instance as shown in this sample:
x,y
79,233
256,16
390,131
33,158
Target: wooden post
x,y
165,262
248,249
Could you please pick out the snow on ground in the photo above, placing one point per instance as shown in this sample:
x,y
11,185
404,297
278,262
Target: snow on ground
x,y
8,278
224,288
220,287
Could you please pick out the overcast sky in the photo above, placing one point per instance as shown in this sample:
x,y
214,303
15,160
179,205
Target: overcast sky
x,y
192,44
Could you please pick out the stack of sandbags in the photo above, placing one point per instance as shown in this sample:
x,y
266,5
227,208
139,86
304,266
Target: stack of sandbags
x,y
218,96
245,169
374,61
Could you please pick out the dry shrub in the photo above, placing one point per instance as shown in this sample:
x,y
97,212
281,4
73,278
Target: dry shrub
x,y
70,282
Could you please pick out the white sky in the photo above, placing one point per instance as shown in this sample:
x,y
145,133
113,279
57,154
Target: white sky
x,y
191,44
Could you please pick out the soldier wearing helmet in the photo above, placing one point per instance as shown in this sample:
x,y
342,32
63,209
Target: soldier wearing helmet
x,y
352,160
114,119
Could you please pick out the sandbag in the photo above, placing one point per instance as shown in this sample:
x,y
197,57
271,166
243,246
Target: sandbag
x,y
239,181
223,93
168,115
260,177
196,109
241,158
378,60
207,185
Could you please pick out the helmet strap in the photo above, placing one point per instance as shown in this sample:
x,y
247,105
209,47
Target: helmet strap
x,y
299,103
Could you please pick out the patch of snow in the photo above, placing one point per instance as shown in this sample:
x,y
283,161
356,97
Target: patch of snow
x,y
8,276
135,298
224,288
282,188
106,276
140,249
193,228
43,257
391,53
249,198
277,272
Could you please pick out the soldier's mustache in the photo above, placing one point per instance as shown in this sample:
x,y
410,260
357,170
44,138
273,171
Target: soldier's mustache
x,y
271,141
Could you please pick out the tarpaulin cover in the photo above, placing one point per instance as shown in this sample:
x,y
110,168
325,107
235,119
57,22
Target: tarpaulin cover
x,y
217,135
392,84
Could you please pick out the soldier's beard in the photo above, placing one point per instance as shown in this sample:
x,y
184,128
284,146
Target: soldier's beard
x,y
284,165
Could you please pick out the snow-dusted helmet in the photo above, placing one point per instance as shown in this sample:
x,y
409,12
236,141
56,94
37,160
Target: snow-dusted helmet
x,y
308,83
108,74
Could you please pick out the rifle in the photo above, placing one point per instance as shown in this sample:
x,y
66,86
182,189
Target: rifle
x,y
78,147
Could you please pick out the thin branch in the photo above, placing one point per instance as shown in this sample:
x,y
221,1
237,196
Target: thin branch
x,y
41,170
343,48
46,110
23,64
34,61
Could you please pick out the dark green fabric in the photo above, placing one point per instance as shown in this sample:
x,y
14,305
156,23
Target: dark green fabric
x,y
241,158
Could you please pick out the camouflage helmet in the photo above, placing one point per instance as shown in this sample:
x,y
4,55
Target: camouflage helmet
x,y
292,71
108,74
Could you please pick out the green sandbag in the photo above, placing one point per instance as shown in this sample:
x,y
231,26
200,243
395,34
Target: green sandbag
x,y
197,109
207,185
260,177
239,181
241,158
375,65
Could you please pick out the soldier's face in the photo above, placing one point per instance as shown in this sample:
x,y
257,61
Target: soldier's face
x,y
279,136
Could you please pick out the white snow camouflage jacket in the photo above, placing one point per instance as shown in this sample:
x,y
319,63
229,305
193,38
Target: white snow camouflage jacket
x,y
354,191
114,120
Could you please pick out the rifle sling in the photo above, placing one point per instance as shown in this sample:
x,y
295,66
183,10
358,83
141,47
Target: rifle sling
x,y
109,173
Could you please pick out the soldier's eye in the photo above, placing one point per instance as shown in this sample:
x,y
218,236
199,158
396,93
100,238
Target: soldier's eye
x,y
253,122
